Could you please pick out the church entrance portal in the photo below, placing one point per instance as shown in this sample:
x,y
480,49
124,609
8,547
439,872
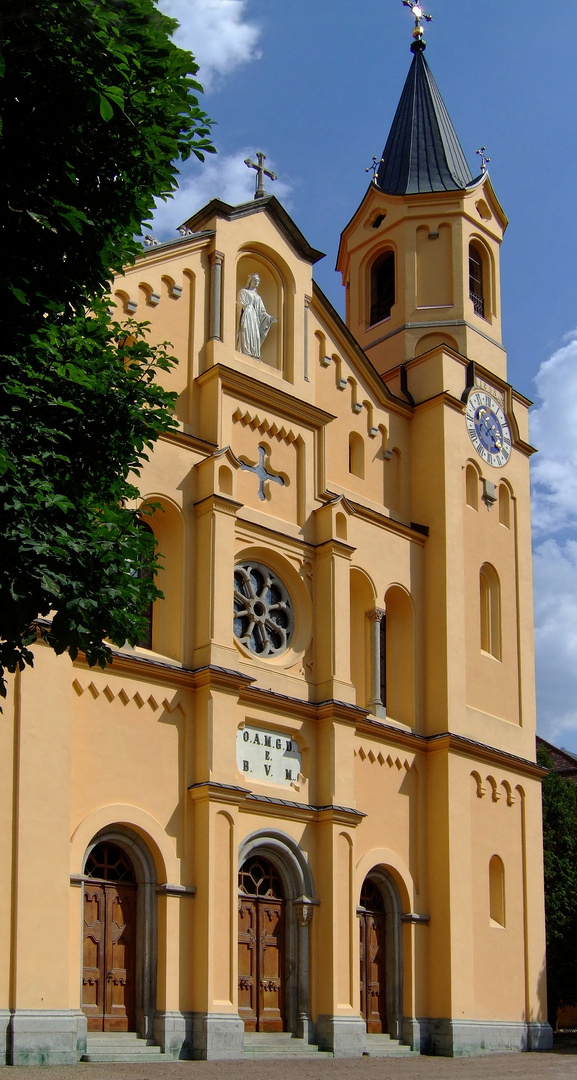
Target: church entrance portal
x,y
261,944
373,955
108,978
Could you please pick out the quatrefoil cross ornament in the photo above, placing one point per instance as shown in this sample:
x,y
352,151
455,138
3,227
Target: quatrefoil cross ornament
x,y
260,470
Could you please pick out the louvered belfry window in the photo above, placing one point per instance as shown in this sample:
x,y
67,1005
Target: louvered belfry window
x,y
476,281
382,286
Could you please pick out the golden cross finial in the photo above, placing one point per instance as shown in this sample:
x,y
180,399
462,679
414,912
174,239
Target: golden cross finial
x,y
417,11
374,168
484,159
419,14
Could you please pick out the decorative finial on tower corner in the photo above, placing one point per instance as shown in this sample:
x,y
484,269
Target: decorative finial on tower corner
x,y
484,159
261,172
374,168
419,43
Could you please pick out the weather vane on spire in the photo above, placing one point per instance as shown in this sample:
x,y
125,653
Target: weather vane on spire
x,y
419,14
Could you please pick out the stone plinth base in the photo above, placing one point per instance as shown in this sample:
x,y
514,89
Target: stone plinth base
x,y
199,1036
47,1037
345,1036
463,1038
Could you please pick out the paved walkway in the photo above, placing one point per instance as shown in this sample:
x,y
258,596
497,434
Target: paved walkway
x,y
559,1065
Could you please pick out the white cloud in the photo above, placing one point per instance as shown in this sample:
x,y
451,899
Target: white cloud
x,y
553,427
554,506
217,32
555,578
225,177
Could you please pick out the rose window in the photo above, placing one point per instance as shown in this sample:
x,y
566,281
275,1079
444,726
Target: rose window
x,y
263,612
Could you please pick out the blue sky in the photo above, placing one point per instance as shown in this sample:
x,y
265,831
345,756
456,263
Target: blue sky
x,y
315,85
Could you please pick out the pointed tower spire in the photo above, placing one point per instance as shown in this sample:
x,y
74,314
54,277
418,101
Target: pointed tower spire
x,y
422,153
420,256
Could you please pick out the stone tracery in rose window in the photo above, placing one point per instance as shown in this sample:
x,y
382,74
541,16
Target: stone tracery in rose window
x,y
263,611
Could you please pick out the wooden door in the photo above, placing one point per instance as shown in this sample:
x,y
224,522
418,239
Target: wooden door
x,y
261,935
247,962
372,958
270,956
108,980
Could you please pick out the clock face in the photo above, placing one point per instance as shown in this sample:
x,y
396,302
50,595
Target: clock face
x,y
488,428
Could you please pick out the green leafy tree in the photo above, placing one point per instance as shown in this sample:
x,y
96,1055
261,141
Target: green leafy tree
x,y
560,863
97,106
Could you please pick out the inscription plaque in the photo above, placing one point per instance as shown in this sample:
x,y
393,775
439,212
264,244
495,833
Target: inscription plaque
x,y
267,755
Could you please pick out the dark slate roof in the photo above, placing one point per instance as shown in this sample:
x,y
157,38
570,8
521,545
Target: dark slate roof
x,y
422,152
564,762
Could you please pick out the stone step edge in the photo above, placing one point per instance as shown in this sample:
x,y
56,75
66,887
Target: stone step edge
x,y
110,1058
252,1055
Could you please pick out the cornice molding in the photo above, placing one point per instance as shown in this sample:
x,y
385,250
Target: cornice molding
x,y
266,396
418,535
218,503
189,442
469,748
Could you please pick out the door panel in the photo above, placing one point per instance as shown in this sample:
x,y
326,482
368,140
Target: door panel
x,y
247,963
271,933
120,958
109,956
93,976
373,971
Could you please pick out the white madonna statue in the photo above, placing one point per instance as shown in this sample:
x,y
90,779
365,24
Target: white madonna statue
x,y
255,322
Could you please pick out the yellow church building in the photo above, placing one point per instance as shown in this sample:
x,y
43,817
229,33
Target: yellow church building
x,y
305,815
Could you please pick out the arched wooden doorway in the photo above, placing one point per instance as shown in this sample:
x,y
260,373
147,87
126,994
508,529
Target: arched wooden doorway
x,y
373,958
261,945
109,950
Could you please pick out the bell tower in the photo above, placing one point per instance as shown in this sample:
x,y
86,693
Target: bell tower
x,y
420,257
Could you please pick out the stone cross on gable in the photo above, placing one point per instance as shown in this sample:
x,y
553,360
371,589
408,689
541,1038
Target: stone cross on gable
x,y
261,472
261,172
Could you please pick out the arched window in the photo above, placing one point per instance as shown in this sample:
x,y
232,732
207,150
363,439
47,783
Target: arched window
x,y
497,891
145,640
504,506
382,287
398,651
472,484
476,280
490,600
356,455
109,863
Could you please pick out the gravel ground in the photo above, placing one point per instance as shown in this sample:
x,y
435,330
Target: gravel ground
x,y
561,1064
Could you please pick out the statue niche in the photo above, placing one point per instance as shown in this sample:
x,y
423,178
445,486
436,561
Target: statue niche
x,y
255,321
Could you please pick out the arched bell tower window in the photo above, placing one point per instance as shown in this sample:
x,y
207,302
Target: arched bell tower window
x,y
382,287
476,280
490,596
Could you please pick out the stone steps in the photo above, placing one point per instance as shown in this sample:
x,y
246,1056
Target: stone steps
x,y
384,1046
121,1046
279,1044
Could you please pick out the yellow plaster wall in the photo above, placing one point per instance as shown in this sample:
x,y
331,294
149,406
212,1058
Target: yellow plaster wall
x,y
155,747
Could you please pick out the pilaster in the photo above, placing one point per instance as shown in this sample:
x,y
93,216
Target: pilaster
x,y
215,531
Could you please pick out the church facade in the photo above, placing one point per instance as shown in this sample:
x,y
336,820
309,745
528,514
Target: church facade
x,y
309,803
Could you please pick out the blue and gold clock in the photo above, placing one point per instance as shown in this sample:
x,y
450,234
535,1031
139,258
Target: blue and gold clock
x,y
488,428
